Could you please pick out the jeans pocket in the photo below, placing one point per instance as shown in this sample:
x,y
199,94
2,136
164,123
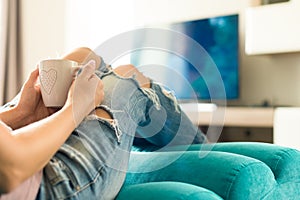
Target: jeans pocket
x,y
73,169
63,183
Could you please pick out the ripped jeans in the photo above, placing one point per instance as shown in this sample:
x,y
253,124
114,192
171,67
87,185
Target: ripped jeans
x,y
93,161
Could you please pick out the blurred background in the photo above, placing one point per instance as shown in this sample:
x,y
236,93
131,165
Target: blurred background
x,y
50,28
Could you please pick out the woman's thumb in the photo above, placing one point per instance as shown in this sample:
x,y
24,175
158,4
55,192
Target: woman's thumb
x,y
88,69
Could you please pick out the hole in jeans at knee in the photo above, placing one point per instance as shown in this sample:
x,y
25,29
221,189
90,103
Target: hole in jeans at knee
x,y
103,113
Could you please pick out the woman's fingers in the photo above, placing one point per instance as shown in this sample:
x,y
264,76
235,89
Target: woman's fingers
x,y
86,92
33,77
88,70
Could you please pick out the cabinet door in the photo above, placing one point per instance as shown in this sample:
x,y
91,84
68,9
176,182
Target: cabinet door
x,y
273,28
287,127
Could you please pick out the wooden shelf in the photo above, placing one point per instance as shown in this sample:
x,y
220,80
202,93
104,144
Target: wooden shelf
x,y
232,116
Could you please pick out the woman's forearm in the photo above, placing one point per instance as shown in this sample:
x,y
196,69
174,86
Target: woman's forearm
x,y
42,139
32,147
13,117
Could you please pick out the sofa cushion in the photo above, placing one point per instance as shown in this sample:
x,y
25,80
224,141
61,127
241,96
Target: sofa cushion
x,y
231,176
167,190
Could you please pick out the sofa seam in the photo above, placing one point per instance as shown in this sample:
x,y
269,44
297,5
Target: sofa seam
x,y
239,171
278,185
286,152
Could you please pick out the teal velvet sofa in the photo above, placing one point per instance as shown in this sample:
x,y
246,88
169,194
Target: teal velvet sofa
x,y
235,171
230,171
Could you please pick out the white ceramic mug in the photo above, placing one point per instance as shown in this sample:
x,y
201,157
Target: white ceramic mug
x,y
56,76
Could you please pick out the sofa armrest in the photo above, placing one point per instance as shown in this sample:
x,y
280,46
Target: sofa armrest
x,y
229,175
166,190
284,162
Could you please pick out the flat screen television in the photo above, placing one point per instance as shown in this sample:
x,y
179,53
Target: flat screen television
x,y
219,37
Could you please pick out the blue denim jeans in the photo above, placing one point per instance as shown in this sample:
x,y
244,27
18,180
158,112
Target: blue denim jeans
x,y
92,163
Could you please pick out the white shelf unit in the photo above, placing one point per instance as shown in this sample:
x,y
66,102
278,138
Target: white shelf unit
x,y
259,117
273,28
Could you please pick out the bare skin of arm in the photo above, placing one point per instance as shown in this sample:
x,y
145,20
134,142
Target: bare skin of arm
x,y
24,151
22,156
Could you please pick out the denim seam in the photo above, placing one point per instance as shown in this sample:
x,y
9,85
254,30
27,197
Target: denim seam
x,y
71,176
87,185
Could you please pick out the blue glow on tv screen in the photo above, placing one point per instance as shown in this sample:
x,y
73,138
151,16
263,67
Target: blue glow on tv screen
x,y
219,37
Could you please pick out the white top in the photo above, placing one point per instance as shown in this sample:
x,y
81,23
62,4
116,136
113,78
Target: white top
x,y
27,190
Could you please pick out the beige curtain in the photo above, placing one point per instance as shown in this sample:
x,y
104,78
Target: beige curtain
x,y
10,57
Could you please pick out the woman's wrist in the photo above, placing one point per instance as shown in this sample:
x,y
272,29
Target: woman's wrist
x,y
14,117
77,113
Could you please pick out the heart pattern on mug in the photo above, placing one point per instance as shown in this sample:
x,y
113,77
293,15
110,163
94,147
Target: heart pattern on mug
x,y
48,80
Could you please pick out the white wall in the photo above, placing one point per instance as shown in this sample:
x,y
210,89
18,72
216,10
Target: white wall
x,y
271,77
54,27
91,22
43,23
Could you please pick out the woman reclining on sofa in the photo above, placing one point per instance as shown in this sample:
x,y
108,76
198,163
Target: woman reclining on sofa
x,y
46,154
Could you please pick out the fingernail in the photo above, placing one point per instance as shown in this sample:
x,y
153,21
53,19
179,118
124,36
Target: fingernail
x,y
92,62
